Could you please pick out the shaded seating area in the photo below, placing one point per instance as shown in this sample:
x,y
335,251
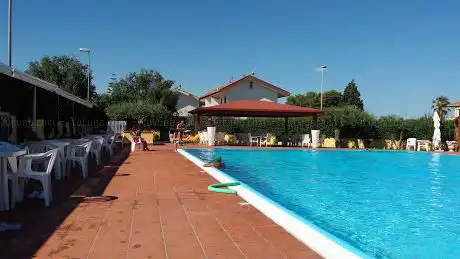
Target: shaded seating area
x,y
30,104
249,108
45,141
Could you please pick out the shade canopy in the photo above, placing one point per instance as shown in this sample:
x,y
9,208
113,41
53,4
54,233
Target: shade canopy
x,y
247,108
437,131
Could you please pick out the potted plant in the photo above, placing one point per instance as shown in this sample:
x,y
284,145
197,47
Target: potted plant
x,y
315,141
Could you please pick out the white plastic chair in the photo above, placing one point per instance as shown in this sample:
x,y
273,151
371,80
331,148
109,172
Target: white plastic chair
x,y
42,147
306,140
253,140
265,139
203,137
411,144
96,149
13,176
79,154
26,171
220,137
108,144
119,140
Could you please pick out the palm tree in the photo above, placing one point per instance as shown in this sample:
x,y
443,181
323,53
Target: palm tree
x,y
440,105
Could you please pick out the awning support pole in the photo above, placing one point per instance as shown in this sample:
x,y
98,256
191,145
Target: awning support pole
x,y
286,125
197,122
34,110
315,121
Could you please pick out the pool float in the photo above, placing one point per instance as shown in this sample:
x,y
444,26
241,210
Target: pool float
x,y
217,187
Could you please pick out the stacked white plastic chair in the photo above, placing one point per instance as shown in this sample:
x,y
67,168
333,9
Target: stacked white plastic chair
x,y
79,154
109,144
26,171
96,149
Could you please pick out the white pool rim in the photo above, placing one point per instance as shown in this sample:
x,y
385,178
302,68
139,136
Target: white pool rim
x,y
322,242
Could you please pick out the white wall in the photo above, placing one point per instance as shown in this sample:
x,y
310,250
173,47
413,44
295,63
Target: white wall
x,y
242,91
257,92
457,112
211,101
186,103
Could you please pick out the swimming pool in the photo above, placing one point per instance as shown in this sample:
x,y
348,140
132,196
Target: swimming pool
x,y
386,204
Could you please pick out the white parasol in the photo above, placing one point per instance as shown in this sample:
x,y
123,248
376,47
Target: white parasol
x,y
437,132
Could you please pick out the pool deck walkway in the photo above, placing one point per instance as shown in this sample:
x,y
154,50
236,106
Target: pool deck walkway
x,y
148,205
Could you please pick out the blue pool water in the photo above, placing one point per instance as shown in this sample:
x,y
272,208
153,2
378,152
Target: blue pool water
x,y
386,204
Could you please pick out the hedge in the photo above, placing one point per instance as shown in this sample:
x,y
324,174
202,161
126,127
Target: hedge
x,y
351,122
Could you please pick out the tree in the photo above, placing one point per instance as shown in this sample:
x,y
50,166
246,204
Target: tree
x,y
440,105
145,95
66,72
352,96
148,85
331,98
310,99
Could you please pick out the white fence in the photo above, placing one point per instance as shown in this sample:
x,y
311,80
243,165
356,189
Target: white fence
x,y
116,126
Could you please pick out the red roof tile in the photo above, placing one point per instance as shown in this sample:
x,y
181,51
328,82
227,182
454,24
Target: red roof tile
x,y
281,92
456,104
247,108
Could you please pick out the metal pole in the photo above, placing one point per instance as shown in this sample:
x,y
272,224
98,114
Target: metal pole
x,y
322,82
89,74
10,19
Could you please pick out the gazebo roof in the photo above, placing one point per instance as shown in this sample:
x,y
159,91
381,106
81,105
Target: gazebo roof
x,y
247,108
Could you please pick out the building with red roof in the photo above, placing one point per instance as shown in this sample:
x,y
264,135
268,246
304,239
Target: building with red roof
x,y
247,87
456,107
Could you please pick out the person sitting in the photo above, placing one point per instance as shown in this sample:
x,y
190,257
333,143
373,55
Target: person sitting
x,y
216,162
179,131
136,132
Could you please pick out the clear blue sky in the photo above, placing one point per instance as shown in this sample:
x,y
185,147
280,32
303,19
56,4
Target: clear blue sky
x,y
401,53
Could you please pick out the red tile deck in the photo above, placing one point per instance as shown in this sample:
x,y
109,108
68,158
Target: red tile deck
x,y
153,205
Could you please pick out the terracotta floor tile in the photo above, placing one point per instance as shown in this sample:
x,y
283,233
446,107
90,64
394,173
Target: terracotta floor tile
x,y
153,205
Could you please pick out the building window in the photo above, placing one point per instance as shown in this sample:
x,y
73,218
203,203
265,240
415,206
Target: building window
x,y
250,85
225,99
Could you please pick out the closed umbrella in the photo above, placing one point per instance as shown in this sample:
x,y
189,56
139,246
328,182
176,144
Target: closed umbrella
x,y
437,131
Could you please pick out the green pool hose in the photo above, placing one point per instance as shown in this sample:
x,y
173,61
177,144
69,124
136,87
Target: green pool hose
x,y
217,187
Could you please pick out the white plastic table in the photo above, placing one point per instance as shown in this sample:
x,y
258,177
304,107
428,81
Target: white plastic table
x,y
7,150
260,139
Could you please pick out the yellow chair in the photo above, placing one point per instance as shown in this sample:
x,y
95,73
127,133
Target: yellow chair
x,y
230,138
329,143
352,143
361,144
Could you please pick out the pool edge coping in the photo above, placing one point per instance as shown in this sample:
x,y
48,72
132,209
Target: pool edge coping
x,y
319,240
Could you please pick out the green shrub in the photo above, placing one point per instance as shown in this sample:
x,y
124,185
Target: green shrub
x,y
352,123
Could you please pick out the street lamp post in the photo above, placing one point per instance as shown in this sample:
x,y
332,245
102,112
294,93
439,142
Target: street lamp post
x,y
322,69
89,69
10,19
